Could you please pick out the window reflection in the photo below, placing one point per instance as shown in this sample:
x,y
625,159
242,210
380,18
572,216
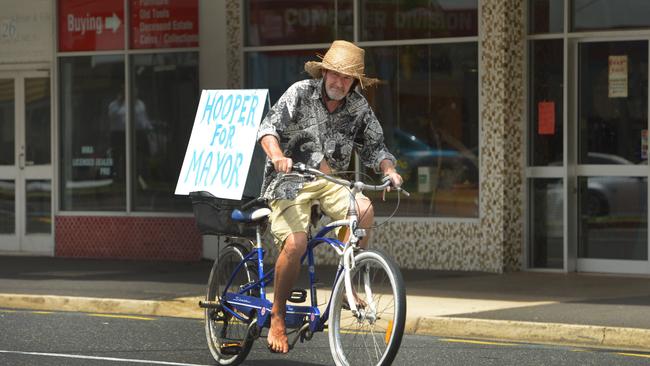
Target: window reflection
x,y
7,207
93,149
546,16
276,71
427,103
273,22
613,217
39,206
546,223
609,14
397,19
161,126
428,106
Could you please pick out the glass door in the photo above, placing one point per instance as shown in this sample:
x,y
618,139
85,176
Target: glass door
x,y
612,156
25,163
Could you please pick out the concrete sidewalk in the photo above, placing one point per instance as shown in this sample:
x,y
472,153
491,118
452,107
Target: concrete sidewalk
x,y
576,309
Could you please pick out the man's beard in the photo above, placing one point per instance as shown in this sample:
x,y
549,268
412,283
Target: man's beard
x,y
334,93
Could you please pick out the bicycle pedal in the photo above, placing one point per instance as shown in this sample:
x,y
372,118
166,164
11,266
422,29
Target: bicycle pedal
x,y
230,349
298,296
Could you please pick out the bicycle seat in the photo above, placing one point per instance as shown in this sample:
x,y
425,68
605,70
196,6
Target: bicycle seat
x,y
250,216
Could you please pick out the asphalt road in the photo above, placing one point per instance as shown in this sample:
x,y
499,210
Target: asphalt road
x,y
38,338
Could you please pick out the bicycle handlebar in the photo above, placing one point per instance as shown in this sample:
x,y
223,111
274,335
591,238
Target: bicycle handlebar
x,y
302,168
251,203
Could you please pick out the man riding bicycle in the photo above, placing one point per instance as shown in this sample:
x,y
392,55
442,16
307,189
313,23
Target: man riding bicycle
x,y
318,122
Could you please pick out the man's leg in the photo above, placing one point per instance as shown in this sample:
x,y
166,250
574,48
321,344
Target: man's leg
x,y
335,204
366,218
287,269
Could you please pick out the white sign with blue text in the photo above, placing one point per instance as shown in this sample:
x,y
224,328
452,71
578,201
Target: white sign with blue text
x,y
221,145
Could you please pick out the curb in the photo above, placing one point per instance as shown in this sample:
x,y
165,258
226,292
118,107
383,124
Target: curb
x,y
179,308
517,331
533,332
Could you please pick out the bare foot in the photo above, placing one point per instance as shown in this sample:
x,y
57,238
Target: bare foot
x,y
277,337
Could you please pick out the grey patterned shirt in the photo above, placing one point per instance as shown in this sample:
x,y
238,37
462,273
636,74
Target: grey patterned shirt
x,y
309,133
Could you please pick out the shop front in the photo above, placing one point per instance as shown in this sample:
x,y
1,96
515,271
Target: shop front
x,y
98,99
521,127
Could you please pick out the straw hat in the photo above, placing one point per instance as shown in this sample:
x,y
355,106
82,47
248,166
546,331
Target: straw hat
x,y
342,57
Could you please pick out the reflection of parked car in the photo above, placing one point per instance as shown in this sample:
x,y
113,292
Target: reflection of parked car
x,y
609,195
616,196
448,167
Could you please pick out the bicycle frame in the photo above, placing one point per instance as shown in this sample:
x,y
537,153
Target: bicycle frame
x,y
296,315
299,316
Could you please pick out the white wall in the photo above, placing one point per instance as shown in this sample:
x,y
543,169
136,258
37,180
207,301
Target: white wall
x,y
25,31
212,44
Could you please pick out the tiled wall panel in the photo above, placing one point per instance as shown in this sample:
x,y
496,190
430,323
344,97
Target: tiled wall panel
x,y
149,238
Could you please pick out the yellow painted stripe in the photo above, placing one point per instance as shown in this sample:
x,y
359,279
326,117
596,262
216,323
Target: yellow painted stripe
x,y
7,311
42,312
121,316
478,342
633,354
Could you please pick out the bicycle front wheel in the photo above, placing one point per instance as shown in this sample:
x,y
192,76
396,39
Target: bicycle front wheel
x,y
374,335
227,335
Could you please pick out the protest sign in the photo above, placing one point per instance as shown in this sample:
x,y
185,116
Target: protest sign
x,y
221,145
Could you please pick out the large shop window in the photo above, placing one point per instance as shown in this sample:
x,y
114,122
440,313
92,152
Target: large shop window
x,y
428,105
427,101
92,133
126,117
94,123
164,97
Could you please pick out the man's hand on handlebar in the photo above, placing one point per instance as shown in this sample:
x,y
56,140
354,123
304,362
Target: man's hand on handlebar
x,y
390,173
395,179
282,164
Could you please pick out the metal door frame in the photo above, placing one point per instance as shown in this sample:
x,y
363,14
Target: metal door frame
x,y
21,242
576,170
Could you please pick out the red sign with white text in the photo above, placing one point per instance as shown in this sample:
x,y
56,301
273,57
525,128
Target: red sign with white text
x,y
91,25
164,23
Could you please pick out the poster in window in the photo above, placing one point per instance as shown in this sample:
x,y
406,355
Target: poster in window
x,y
546,118
617,76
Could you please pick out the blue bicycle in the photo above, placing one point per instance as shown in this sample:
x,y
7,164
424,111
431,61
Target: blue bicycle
x,y
366,310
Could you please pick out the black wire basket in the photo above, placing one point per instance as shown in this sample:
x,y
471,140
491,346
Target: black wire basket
x,y
213,215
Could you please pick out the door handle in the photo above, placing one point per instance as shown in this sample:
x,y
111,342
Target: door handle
x,y
21,160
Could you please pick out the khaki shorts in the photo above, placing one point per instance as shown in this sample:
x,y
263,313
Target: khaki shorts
x,y
292,216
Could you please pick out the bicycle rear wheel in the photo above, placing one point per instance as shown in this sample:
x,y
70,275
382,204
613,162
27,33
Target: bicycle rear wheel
x,y
227,336
374,336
